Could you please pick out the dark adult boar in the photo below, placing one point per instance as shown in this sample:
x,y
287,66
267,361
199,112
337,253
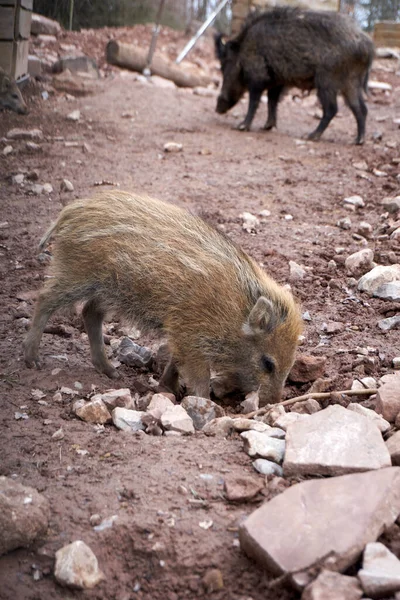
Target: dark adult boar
x,y
10,96
287,47
155,265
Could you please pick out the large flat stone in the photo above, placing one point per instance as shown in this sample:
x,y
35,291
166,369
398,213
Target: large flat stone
x,y
321,522
334,441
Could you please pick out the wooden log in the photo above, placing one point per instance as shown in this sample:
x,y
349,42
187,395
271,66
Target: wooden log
x,y
131,57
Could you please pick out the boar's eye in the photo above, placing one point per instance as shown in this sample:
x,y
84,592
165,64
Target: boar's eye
x,y
268,364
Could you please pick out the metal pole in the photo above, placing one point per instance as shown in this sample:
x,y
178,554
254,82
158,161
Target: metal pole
x,y
156,29
71,13
202,29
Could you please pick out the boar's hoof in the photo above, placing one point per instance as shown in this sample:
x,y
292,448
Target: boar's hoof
x,y
359,141
269,126
243,126
313,136
33,362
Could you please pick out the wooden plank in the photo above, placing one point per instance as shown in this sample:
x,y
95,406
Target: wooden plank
x,y
23,24
6,56
8,2
28,4
7,22
20,66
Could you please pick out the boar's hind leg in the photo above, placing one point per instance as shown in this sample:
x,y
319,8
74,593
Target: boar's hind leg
x,y
355,102
170,378
273,99
49,300
255,94
328,99
93,318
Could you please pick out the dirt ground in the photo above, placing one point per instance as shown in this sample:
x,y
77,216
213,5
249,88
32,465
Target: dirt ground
x,y
157,548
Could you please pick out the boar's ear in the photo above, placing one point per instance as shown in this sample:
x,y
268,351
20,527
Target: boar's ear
x,y
5,84
220,47
262,318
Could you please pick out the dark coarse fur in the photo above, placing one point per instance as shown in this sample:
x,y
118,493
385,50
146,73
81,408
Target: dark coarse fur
x,y
289,47
155,265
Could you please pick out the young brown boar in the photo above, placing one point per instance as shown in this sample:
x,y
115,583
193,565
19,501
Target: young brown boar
x,y
10,96
153,264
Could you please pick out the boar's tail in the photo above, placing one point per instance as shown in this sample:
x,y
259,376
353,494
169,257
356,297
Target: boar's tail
x,y
45,239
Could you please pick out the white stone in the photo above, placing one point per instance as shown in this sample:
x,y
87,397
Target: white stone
x,y
359,262
66,186
333,586
379,275
176,418
334,441
364,383
296,272
264,446
173,147
287,419
389,323
344,223
250,403
158,405
242,424
161,82
75,115
121,397
380,574
7,150
201,410
379,421
389,291
93,411
379,85
323,523
77,567
396,362
219,427
267,467
250,221
356,201
127,420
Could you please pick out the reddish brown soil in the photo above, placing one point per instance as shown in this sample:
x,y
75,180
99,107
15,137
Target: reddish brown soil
x,y
156,549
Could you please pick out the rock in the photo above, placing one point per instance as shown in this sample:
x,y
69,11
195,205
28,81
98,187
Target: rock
x,y
364,383
264,446
379,421
395,235
273,415
241,488
388,398
360,262
161,82
127,420
389,323
361,165
332,327
176,418
158,405
77,64
34,65
213,581
287,419
24,515
296,272
66,186
371,281
173,147
47,188
380,573
75,115
379,85
7,150
393,446
121,398
133,355
333,586
391,205
307,407
344,223
201,410
267,467
18,179
250,403
25,134
32,147
356,201
250,222
219,427
396,362
334,441
77,567
242,424
94,411
389,291
41,24
307,368
333,520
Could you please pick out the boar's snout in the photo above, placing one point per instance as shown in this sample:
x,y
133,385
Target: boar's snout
x,y
223,105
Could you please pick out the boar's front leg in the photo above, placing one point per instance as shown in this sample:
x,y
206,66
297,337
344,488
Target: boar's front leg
x,y
273,99
255,94
93,318
170,378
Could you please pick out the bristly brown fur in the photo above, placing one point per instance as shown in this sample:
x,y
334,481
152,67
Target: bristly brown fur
x,y
155,265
